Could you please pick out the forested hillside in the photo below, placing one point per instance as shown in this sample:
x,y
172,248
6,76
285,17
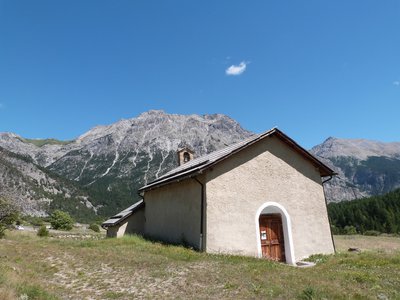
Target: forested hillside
x,y
379,213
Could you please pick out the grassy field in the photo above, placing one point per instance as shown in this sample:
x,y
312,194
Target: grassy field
x,y
91,268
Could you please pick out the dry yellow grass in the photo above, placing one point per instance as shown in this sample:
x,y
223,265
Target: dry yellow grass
x,y
131,268
367,243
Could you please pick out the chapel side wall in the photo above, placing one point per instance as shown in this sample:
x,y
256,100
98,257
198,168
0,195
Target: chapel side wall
x,y
173,213
117,231
268,171
121,229
112,231
135,222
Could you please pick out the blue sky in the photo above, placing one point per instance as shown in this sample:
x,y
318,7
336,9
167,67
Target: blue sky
x,y
313,68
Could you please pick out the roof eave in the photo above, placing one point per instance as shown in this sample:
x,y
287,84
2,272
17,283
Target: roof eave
x,y
120,220
171,180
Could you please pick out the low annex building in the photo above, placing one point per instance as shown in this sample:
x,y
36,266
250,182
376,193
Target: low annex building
x,y
260,197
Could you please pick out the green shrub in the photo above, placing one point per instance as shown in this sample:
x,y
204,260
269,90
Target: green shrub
x,y
349,230
335,230
61,220
35,221
94,227
43,231
372,232
8,215
2,230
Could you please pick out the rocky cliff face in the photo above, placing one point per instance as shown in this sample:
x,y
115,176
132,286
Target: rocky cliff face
x,y
365,167
35,190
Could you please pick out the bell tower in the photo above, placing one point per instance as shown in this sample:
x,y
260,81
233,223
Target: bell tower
x,y
185,154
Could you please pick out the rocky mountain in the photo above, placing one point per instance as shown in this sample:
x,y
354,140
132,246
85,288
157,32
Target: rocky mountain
x,y
365,167
36,191
100,171
110,163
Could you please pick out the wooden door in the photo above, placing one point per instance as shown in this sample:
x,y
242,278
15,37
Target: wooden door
x,y
271,235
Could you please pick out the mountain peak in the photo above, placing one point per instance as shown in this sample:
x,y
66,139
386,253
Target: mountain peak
x,y
356,148
8,135
330,140
153,112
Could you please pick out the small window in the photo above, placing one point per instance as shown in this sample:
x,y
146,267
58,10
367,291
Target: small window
x,y
186,157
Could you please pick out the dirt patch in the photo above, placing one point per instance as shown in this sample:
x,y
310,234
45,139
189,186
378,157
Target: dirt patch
x,y
102,280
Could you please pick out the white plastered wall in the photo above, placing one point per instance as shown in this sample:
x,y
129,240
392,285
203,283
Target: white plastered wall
x,y
173,213
268,171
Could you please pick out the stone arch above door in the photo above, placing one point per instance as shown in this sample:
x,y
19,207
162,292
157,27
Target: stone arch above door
x,y
276,208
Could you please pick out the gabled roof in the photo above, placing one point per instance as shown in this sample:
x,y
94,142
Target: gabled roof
x,y
198,165
118,218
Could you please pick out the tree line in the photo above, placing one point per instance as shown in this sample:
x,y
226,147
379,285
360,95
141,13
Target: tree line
x,y
376,213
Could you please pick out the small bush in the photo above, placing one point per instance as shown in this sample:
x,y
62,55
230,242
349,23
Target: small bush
x,y
43,231
335,230
61,220
94,227
372,232
35,221
2,230
349,230
8,215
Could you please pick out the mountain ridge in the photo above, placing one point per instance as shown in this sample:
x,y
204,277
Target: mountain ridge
x,y
358,148
108,163
365,167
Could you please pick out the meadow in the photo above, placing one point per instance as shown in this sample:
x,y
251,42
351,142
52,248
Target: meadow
x,y
87,266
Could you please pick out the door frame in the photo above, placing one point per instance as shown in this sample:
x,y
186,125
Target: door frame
x,y
273,207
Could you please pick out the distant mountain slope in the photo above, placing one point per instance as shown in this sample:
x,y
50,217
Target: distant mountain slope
x,y
111,162
36,191
359,149
365,167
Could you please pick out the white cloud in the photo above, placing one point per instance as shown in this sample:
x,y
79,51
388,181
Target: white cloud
x,y
236,70
396,83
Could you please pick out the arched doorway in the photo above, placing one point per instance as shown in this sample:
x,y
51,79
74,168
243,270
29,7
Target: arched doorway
x,y
274,233
271,237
